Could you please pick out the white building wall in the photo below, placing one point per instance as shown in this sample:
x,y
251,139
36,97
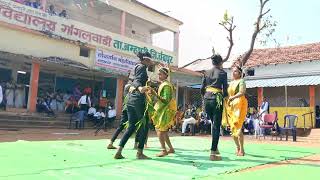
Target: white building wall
x,y
279,69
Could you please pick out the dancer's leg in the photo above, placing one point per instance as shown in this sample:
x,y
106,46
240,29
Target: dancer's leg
x,y
124,119
216,117
236,141
162,139
132,118
168,142
241,143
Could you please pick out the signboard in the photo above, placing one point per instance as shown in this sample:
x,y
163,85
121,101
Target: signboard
x,y
28,17
112,63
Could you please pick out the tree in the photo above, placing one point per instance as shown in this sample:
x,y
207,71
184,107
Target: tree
x,y
262,23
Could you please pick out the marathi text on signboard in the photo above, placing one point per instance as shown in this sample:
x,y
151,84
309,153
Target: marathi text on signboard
x,y
114,63
24,16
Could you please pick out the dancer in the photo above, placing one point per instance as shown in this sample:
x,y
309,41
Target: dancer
x,y
236,109
213,89
123,121
136,106
164,111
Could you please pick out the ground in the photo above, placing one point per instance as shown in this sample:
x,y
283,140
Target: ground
x,y
73,154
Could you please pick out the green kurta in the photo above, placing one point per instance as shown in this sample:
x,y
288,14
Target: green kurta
x,y
165,107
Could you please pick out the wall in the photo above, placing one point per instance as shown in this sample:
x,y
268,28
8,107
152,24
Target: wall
x,y
146,14
272,70
282,111
276,96
20,42
296,93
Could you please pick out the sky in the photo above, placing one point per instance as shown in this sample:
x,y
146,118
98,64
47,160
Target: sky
x,y
297,23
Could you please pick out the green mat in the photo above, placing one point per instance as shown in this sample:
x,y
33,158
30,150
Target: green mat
x,y
89,159
292,172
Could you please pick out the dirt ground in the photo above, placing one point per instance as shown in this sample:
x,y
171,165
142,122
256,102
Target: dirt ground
x,y
88,134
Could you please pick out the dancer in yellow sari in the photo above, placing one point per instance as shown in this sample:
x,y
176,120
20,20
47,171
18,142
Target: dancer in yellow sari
x,y
163,114
236,109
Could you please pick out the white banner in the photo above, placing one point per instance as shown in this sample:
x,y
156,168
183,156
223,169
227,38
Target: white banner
x,y
112,63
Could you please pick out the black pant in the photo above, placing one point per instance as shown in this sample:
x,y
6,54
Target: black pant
x,y
135,113
215,114
84,107
123,121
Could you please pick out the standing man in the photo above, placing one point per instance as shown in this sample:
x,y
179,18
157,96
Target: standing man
x,y
123,121
264,108
214,90
136,106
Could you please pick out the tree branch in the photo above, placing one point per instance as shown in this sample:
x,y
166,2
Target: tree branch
x,y
246,56
230,30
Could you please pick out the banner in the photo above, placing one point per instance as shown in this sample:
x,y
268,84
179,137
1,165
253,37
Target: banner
x,y
35,19
112,63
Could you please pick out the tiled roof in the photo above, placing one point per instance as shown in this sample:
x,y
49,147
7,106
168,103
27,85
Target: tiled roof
x,y
283,55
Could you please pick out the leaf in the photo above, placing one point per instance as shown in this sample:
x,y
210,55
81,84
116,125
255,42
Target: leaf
x,y
225,16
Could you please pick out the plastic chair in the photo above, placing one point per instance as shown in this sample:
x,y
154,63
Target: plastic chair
x,y
268,122
290,124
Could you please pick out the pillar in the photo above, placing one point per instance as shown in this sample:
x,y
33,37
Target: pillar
x,y
312,94
33,91
119,98
123,24
44,5
176,43
260,96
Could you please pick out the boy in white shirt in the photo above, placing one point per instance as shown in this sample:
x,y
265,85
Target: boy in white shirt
x,y
98,116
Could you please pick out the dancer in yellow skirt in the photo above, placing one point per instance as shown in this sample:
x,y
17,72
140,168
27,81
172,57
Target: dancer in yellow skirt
x,y
163,114
236,109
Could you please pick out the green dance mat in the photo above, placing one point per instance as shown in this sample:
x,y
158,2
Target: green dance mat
x,y
89,159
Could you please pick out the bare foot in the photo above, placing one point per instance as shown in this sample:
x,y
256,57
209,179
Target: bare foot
x,y
110,146
241,153
162,153
215,157
171,151
237,151
118,156
142,156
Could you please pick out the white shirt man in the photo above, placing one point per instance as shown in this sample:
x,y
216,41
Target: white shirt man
x,y
1,95
188,120
112,113
99,115
92,111
83,100
264,109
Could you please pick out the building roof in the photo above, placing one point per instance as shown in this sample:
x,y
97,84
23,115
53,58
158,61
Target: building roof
x,y
284,81
283,55
161,13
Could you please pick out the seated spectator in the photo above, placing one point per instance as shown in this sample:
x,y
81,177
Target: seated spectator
x,y
111,113
51,11
36,4
98,117
205,123
189,118
72,105
43,106
179,118
2,97
63,14
317,116
28,3
91,112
